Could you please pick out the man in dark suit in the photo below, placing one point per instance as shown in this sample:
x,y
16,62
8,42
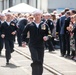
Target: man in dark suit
x,y
67,35
60,29
38,34
21,24
60,33
8,30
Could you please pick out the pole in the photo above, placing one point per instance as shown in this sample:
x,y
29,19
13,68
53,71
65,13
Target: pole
x,y
10,3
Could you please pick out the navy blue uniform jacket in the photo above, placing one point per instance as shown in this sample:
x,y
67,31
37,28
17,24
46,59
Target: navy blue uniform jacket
x,y
36,34
8,29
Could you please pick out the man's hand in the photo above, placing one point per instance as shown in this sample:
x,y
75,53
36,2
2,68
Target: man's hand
x,y
2,35
45,38
13,33
23,44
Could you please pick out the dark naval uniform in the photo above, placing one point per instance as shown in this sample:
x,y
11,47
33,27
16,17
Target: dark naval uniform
x,y
49,43
1,40
7,30
36,45
50,24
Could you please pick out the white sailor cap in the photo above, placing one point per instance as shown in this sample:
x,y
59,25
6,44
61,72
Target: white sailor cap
x,y
37,12
47,14
44,14
1,14
8,13
55,12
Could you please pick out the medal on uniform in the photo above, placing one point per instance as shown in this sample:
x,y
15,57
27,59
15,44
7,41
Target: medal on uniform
x,y
43,27
49,31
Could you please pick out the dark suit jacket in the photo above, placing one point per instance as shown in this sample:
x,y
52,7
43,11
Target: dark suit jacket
x,y
62,24
67,22
21,24
58,26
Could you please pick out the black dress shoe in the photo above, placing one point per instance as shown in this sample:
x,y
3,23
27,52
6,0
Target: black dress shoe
x,y
62,55
67,56
12,50
20,45
7,63
0,53
71,57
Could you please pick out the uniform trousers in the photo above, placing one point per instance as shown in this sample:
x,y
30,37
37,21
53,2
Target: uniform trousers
x,y
37,55
9,45
1,44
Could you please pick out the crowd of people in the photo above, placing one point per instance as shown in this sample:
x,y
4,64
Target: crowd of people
x,y
39,31
65,28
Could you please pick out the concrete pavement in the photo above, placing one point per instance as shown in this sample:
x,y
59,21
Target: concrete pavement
x,y
53,59
19,65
